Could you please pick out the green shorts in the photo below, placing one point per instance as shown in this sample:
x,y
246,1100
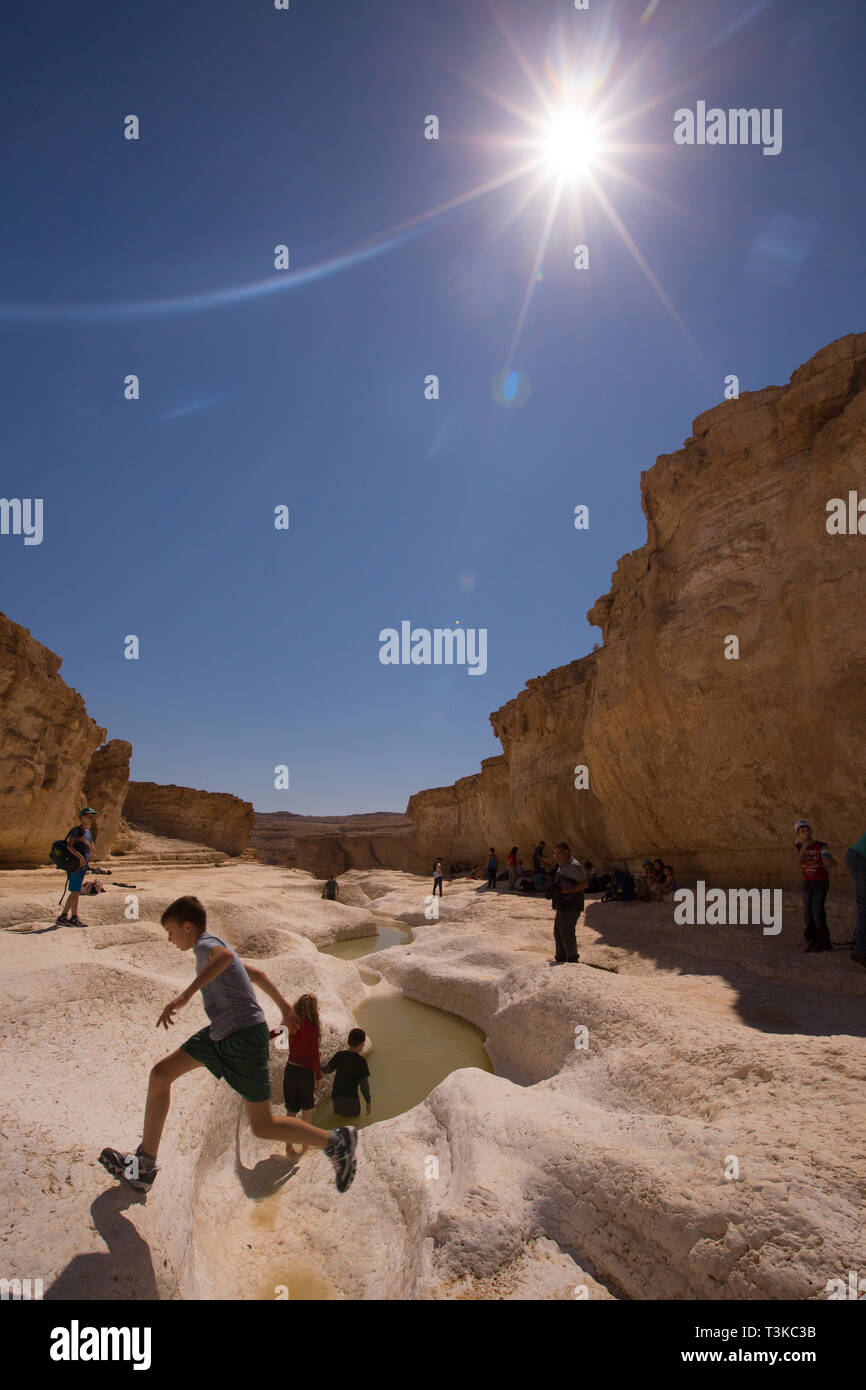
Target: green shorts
x,y
241,1058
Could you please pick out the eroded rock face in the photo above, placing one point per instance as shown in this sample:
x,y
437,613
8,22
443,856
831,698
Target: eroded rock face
x,y
47,741
333,844
105,787
705,761
217,819
463,821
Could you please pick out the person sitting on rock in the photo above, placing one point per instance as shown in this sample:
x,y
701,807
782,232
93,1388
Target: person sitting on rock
x,y
657,881
329,891
643,880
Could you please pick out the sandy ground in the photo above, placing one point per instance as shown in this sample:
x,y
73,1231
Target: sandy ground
x,y
598,1162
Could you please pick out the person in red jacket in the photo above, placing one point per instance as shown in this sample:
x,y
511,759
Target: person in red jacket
x,y
304,1067
814,858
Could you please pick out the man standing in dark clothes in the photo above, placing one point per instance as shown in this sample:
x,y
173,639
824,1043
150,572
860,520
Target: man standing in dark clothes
x,y
569,885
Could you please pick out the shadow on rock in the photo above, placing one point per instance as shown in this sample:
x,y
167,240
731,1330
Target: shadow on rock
x,y
124,1271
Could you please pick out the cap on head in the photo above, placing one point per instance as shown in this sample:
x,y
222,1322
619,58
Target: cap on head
x,y
87,811
802,825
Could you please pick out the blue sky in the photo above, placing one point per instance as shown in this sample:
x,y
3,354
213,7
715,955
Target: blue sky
x,y
260,647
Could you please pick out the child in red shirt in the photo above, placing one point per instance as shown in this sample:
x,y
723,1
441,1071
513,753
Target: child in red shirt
x,y
304,1067
814,858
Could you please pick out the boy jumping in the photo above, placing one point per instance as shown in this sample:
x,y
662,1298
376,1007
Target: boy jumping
x,y
234,1046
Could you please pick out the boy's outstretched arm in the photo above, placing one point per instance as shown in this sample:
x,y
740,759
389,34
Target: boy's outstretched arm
x,y
218,958
264,982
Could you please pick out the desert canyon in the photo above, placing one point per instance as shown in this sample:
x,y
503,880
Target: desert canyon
x,y
594,1160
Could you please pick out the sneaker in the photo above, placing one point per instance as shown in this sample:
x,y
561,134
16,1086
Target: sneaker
x,y
76,921
341,1152
61,920
138,1169
556,962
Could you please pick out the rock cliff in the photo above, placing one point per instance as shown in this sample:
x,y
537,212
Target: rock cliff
x,y
48,740
331,844
700,758
217,819
105,786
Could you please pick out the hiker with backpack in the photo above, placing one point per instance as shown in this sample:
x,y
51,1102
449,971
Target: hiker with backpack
x,y
79,844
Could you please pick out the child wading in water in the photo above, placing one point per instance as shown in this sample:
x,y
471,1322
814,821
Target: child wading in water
x,y
234,1046
304,1067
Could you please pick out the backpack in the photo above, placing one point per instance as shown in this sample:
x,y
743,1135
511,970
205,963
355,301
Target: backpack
x,y
62,857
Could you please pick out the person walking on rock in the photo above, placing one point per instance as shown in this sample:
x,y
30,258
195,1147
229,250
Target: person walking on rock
x,y
569,885
329,889
492,866
438,871
511,861
855,863
814,858
234,1046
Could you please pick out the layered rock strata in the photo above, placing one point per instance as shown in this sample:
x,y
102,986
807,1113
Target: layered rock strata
x,y
695,755
217,819
323,845
105,787
47,742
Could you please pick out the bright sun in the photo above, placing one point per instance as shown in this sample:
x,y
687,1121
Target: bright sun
x,y
570,144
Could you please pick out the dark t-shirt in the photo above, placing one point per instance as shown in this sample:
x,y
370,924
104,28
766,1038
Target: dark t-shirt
x,y
351,1072
83,842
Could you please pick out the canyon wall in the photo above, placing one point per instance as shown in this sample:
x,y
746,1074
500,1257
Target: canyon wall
x,y
105,787
183,813
47,742
461,822
703,760
332,844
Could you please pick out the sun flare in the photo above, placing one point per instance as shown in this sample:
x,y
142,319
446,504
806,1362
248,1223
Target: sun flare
x,y
570,144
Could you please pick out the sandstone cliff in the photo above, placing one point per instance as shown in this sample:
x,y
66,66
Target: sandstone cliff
x,y
702,760
217,819
47,742
105,787
331,844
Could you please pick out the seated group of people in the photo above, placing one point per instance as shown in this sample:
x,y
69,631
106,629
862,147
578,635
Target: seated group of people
x,y
656,881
